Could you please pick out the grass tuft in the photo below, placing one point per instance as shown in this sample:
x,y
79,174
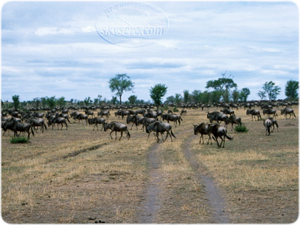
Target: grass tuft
x,y
15,140
241,128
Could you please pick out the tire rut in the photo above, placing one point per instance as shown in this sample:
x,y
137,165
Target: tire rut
x,y
214,196
150,204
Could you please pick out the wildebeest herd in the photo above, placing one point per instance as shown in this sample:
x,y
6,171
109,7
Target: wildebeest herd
x,y
150,120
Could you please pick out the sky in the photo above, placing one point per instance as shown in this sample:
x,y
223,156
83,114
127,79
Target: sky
x,y
72,49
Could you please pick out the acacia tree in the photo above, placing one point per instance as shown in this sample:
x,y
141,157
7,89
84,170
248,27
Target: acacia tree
x,y
270,89
119,84
222,85
291,88
132,99
157,92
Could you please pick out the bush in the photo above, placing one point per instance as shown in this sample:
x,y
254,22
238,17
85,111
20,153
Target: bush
x,y
241,128
21,139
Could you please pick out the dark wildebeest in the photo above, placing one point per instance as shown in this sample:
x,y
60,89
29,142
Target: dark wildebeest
x,y
160,127
268,123
116,127
183,112
66,116
22,127
219,132
37,122
96,121
172,117
135,120
81,117
89,112
104,113
147,121
289,111
58,120
227,111
233,119
202,129
253,113
216,116
269,111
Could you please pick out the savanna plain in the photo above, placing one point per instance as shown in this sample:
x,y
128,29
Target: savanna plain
x,y
78,175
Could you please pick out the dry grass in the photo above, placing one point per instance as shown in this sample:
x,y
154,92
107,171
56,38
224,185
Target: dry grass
x,y
60,178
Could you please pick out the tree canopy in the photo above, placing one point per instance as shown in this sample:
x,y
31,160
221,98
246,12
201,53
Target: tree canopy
x,y
270,89
119,84
291,88
157,92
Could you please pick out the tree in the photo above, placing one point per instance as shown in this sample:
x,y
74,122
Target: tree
x,y
222,85
291,88
87,101
119,84
271,90
36,102
262,95
157,92
186,96
235,95
132,99
51,102
61,102
244,93
16,101
1,103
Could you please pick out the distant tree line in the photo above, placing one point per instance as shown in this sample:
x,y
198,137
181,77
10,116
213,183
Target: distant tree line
x,y
223,89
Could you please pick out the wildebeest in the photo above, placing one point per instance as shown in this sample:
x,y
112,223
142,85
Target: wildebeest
x,y
216,116
202,129
135,120
268,123
104,113
233,119
116,127
22,127
253,113
270,111
58,120
96,121
289,111
89,112
147,121
227,111
37,122
219,132
80,117
160,127
172,117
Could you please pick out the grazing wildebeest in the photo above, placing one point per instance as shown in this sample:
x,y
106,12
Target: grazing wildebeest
x,y
183,112
22,127
289,111
268,123
116,127
253,113
219,132
135,120
216,116
160,127
58,120
233,119
104,113
96,121
270,111
202,129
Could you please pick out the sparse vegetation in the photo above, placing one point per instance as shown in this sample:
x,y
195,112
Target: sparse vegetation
x,y
20,139
241,128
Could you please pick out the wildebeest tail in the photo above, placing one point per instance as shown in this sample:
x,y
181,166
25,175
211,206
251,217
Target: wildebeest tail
x,y
228,137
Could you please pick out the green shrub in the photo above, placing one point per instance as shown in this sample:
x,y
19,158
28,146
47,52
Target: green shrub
x,y
241,128
20,139
175,109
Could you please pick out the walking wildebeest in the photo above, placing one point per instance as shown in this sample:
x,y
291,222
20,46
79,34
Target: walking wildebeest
x,y
219,132
96,121
160,127
289,111
253,113
216,116
202,129
22,127
268,123
116,127
233,119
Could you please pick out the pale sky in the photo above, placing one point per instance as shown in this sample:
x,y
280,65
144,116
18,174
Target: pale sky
x,y
54,48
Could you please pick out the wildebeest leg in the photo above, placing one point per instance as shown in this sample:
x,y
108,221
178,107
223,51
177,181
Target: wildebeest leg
x,y
110,134
121,135
157,137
